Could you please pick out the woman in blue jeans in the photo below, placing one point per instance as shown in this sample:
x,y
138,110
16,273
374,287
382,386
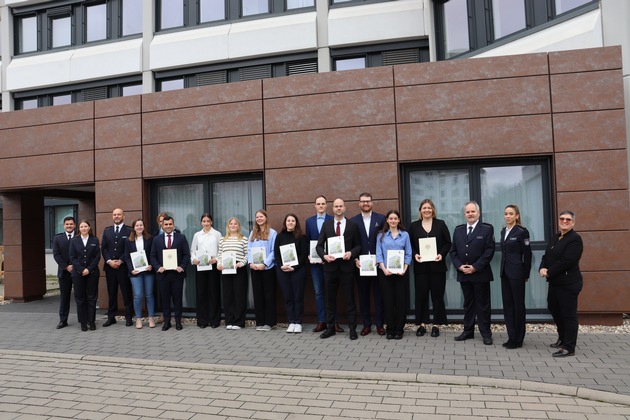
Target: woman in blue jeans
x,y
141,281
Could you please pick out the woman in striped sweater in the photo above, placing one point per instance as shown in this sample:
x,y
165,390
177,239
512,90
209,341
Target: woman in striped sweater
x,y
233,286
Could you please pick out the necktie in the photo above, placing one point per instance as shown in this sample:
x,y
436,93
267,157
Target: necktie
x,y
117,230
169,243
338,231
469,230
69,236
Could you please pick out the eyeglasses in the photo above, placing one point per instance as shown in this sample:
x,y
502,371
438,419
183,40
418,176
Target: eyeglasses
x,y
565,219
365,201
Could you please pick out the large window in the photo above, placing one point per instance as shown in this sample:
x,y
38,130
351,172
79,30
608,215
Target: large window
x,y
493,185
236,72
70,24
468,25
55,210
379,55
186,200
189,13
78,93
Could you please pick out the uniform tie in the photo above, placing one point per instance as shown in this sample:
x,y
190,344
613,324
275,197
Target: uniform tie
x,y
338,231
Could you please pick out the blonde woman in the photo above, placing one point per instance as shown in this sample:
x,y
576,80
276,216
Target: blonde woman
x,y
263,272
234,286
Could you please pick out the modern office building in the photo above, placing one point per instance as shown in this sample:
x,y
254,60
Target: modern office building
x,y
228,106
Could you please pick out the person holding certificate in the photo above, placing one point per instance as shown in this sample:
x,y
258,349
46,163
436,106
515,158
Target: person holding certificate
x,y
203,253
429,266
260,255
170,256
393,256
292,248
516,261
85,254
140,272
232,263
561,267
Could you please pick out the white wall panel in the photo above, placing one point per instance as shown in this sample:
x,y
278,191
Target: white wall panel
x,y
376,23
39,70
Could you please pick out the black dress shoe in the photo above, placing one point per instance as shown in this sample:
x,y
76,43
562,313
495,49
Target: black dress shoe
x,y
487,341
397,336
328,333
464,336
321,326
202,325
110,321
92,326
214,325
390,336
510,345
128,322
178,326
563,353
435,332
166,326
507,343
338,328
556,345
84,327
62,324
353,335
421,331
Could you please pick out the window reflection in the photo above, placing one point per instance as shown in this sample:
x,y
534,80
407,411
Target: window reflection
x,y
61,35
131,17
211,10
566,5
62,99
28,34
456,28
255,7
172,14
296,4
508,17
96,22
29,104
131,90
174,84
350,63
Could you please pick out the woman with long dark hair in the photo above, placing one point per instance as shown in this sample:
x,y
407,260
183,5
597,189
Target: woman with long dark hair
x,y
142,282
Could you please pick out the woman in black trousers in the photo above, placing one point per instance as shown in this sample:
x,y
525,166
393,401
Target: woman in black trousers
x,y
516,261
560,266
430,276
85,254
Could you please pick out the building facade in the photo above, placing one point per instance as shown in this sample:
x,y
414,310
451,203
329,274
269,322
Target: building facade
x,y
230,107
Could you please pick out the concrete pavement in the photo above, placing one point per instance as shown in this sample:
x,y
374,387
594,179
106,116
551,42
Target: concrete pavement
x,y
218,373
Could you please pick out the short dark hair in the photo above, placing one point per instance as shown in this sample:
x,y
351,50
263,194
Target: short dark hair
x,y
167,217
65,219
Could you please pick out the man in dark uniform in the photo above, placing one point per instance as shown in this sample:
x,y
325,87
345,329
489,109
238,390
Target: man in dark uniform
x,y
116,273
471,253
61,253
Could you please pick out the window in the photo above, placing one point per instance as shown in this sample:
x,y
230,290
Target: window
x,y
343,2
189,13
380,55
236,72
78,93
468,25
78,23
186,200
55,210
493,185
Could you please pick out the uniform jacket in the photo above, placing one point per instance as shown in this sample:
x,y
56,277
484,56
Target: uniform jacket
x,y
113,247
83,257
476,250
516,254
61,253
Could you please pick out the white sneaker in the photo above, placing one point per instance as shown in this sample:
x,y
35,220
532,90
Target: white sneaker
x,y
298,328
265,328
236,327
259,328
291,328
229,327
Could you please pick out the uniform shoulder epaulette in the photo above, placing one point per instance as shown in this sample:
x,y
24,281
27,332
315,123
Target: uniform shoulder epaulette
x,y
460,226
486,224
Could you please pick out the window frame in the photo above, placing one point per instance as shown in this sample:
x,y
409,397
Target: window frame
x,y
374,53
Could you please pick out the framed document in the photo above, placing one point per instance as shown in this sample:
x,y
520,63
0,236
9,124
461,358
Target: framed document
x,y
313,253
289,255
395,261
368,265
204,262
139,260
259,254
427,248
169,259
336,246
229,263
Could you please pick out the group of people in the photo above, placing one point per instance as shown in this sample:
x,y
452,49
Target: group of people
x,y
282,258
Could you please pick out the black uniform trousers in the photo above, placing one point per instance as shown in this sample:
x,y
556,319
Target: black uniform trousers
x,y
118,278
264,288
562,302
234,288
513,294
208,285
395,290
65,291
86,295
477,307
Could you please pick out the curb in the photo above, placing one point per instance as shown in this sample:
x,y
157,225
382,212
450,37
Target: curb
x,y
571,391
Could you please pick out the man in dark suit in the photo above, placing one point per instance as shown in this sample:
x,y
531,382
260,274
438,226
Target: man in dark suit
x,y
61,253
116,273
339,271
370,224
471,253
313,227
170,281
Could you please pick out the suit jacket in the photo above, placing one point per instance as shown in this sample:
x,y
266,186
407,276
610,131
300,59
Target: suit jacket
x,y
351,240
113,247
368,239
130,247
516,254
476,250
562,259
83,257
312,234
183,255
442,236
61,253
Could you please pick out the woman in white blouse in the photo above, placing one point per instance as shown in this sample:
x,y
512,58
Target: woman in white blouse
x,y
203,254
142,281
